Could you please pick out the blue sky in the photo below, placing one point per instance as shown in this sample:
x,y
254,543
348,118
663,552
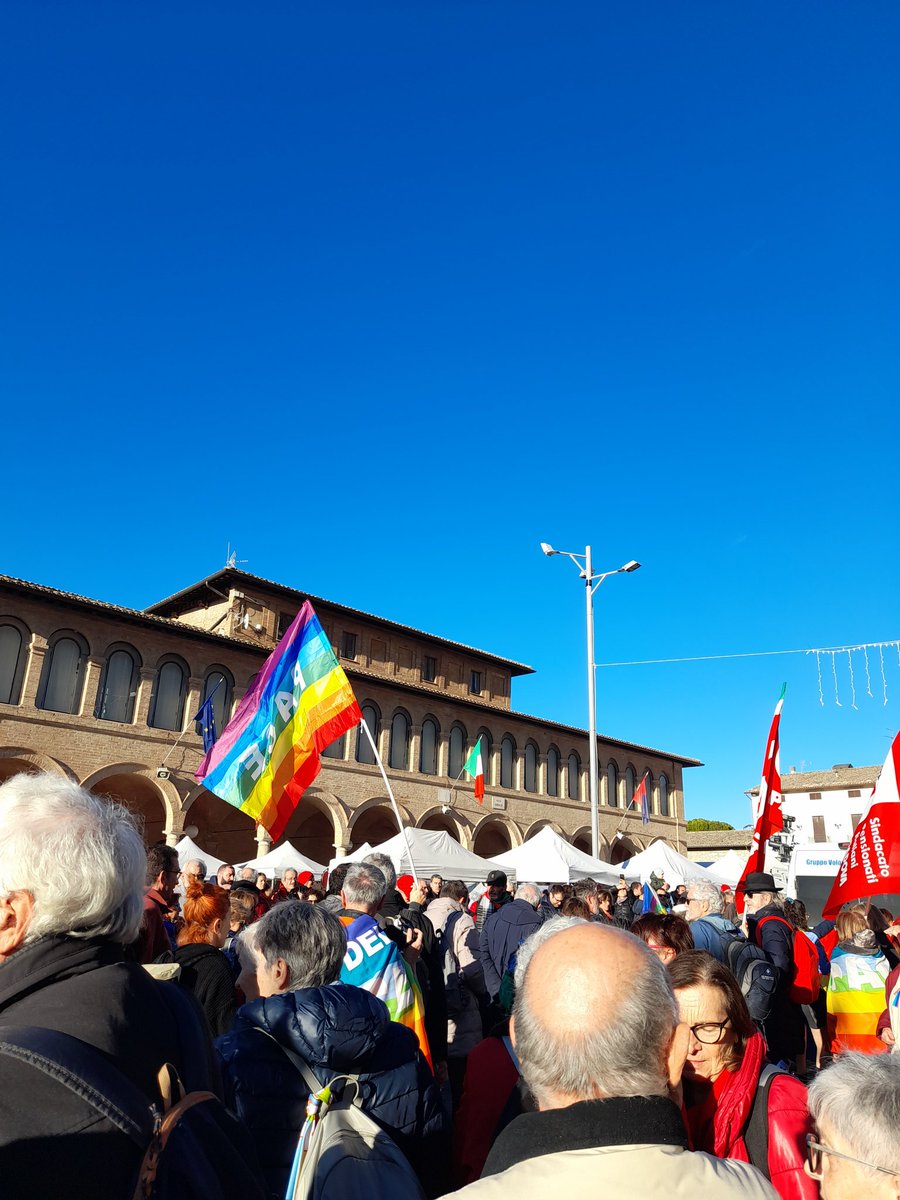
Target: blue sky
x,y
385,294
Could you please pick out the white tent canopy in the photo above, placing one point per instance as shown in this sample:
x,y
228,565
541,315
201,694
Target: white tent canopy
x,y
436,853
357,856
548,858
281,858
187,849
730,867
661,859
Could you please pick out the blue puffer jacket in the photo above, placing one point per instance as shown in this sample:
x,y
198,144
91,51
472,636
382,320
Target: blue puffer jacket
x,y
336,1030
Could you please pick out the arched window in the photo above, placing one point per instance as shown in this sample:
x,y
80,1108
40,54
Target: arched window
x,y
612,786
486,756
118,685
428,747
337,749
507,760
12,663
399,753
63,675
573,771
169,691
629,786
530,767
663,796
553,771
218,683
457,751
650,805
372,718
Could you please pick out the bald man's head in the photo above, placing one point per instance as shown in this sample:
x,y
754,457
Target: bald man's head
x,y
594,1018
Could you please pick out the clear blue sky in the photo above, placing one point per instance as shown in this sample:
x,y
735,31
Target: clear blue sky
x,y
385,294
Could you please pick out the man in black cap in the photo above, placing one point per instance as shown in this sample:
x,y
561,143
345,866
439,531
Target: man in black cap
x,y
493,899
784,1027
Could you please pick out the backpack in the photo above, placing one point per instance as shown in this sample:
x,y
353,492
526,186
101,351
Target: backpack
x,y
804,985
751,968
342,1152
450,968
191,1146
756,1131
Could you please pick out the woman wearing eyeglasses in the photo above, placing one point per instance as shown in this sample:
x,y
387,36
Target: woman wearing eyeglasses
x,y
734,1105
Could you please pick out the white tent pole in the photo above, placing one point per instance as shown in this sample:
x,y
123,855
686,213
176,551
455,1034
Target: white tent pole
x,y
390,792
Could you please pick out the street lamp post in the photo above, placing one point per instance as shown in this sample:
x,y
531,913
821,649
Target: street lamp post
x,y
591,583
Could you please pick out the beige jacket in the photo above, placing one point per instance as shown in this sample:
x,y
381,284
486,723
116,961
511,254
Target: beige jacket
x,y
632,1170
463,1033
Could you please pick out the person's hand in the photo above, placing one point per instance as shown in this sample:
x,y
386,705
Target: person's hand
x,y
887,1036
893,931
418,893
413,946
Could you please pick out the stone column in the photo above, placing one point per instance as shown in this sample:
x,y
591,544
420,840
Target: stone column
x,y
415,746
147,680
263,842
192,700
33,674
93,671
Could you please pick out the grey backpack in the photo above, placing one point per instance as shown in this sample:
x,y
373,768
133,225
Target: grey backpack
x,y
346,1155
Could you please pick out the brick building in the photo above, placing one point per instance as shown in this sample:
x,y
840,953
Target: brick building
x,y
105,694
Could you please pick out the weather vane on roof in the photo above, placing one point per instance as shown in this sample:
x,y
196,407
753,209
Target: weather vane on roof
x,y
232,559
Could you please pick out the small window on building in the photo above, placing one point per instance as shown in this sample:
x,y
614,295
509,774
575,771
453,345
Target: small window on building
x,y
12,664
815,795
819,829
475,686
348,646
429,669
284,620
855,819
854,794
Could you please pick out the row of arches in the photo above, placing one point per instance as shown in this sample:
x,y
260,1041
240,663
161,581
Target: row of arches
x,y
60,687
320,825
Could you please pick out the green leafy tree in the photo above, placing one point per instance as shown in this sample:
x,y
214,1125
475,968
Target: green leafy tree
x,y
701,824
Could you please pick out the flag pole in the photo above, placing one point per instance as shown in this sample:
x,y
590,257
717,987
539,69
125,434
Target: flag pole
x,y
390,793
187,728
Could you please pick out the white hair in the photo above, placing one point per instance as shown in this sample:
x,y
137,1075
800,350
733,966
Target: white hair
x,y
623,1054
858,1098
364,884
707,893
80,856
530,892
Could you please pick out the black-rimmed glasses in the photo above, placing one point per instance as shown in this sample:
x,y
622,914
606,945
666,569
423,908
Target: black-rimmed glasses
x,y
815,1150
710,1033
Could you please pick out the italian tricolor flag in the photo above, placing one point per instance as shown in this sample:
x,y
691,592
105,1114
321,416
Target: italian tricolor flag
x,y
474,766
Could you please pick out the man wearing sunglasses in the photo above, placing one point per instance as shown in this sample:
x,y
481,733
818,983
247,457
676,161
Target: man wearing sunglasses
x,y
855,1105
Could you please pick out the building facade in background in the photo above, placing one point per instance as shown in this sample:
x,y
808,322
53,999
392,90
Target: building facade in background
x,y
105,695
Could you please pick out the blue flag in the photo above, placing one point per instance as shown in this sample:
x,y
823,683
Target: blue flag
x,y
206,719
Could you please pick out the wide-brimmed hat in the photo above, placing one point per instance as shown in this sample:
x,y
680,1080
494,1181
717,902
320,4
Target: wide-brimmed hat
x,y
758,881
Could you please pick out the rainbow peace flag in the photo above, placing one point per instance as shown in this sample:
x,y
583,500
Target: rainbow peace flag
x,y
268,753
651,902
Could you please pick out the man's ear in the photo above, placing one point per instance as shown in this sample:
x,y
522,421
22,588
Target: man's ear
x,y
512,1031
678,1050
282,974
16,911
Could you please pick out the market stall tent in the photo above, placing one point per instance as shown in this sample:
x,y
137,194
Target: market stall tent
x,y
281,858
660,859
435,852
549,858
187,849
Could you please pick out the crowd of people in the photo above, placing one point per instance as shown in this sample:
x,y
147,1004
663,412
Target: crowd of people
x,y
510,1043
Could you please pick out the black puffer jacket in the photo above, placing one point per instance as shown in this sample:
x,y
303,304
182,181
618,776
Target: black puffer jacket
x,y
336,1030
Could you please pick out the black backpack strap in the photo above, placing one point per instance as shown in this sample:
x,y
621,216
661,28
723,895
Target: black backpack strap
x,y
756,1131
86,1072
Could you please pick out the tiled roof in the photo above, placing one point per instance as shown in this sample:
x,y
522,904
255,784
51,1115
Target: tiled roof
x,y
837,779
230,575
710,839
133,614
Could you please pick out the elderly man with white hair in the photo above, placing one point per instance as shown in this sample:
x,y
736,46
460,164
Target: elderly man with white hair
x,y
709,928
855,1104
595,1028
72,878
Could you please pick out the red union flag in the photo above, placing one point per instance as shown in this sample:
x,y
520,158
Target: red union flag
x,y
769,817
872,862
